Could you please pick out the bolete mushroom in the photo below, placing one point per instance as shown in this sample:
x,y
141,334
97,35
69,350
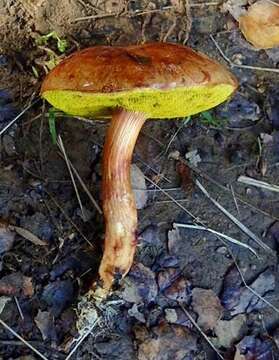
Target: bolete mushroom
x,y
132,84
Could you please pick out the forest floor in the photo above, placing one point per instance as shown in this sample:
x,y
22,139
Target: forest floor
x,y
190,294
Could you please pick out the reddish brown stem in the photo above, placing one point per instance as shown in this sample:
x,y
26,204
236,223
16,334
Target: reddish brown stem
x,y
118,200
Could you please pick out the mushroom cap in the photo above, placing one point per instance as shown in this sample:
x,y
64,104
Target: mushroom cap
x,y
161,80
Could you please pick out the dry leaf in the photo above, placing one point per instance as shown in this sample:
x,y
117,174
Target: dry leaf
x,y
254,348
207,305
174,285
16,284
138,186
260,25
26,234
168,342
140,285
238,299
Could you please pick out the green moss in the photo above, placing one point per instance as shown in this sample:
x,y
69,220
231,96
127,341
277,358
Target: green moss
x,y
155,103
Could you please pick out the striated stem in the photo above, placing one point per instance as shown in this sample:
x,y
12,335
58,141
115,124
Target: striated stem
x,y
118,199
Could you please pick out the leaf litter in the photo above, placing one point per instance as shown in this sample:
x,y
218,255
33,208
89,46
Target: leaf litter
x,y
238,299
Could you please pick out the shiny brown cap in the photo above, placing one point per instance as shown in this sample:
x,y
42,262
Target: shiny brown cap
x,y
105,69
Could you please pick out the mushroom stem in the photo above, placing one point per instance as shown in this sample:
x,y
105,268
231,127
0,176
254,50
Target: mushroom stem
x,y
118,200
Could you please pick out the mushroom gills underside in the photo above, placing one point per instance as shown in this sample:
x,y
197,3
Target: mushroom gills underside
x,y
155,103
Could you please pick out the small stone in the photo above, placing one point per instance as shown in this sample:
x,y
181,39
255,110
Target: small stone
x,y
9,145
222,250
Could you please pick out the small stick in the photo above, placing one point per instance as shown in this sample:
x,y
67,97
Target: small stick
x,y
19,308
234,219
233,64
7,327
227,237
261,184
61,146
68,218
235,201
18,116
82,338
200,330
273,2
85,188
172,199
220,186
249,287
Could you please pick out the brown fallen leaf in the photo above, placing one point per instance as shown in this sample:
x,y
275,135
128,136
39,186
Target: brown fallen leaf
x,y
166,342
174,285
260,24
208,307
140,285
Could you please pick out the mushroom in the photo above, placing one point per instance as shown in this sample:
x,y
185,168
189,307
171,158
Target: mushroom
x,y
132,84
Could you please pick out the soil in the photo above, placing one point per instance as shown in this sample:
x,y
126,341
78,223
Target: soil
x,y
36,192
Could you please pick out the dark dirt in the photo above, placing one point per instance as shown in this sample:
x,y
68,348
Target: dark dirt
x,y
36,193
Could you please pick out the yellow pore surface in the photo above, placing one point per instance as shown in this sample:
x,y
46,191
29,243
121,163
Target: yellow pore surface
x,y
157,104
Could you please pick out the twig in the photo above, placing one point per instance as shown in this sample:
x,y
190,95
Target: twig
x,y
224,188
261,184
85,188
18,116
213,3
235,201
273,2
249,287
241,66
153,170
200,330
171,198
183,208
150,11
19,308
68,218
95,17
7,327
184,123
141,12
227,237
61,147
168,201
234,219
83,337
